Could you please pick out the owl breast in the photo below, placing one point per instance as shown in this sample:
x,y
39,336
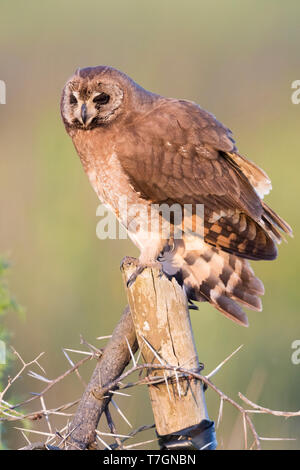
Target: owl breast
x,y
111,184
114,190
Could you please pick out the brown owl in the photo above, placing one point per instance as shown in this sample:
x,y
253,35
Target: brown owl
x,y
155,151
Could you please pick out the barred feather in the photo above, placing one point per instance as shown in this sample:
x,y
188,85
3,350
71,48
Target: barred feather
x,y
212,275
242,236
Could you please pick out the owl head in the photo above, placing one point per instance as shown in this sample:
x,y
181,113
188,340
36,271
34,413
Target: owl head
x,y
95,96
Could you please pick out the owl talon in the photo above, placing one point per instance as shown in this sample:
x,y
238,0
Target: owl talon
x,y
141,268
128,260
161,273
136,273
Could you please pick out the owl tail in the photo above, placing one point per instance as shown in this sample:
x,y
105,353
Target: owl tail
x,y
220,278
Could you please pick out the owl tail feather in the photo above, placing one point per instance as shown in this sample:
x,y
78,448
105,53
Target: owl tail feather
x,y
224,280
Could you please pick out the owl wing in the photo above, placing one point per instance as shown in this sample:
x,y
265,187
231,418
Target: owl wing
x,y
179,153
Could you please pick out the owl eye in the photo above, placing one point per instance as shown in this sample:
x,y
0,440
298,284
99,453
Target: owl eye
x,y
103,98
73,99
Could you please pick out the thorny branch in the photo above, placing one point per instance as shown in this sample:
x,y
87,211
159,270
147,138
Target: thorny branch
x,y
101,392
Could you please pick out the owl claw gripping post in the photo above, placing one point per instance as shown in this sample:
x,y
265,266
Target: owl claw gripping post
x,y
152,150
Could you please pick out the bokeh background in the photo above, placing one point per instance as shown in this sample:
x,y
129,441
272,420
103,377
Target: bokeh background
x,y
236,59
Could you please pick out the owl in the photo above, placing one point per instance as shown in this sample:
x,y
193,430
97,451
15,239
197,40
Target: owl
x,y
153,151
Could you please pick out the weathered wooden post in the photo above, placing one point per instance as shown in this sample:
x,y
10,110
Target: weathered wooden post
x,y
161,317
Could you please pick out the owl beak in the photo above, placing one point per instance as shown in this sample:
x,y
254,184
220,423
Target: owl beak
x,y
84,113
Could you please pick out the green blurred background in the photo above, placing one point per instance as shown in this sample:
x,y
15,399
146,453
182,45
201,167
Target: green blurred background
x,y
236,59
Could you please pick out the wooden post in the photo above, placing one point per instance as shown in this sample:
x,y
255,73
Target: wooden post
x,y
161,317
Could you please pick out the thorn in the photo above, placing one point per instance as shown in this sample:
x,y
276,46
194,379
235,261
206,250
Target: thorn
x,y
278,439
120,413
112,434
220,415
245,431
131,353
153,350
78,351
167,384
140,444
46,414
178,385
34,375
205,446
26,438
68,358
35,432
103,442
118,393
223,362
